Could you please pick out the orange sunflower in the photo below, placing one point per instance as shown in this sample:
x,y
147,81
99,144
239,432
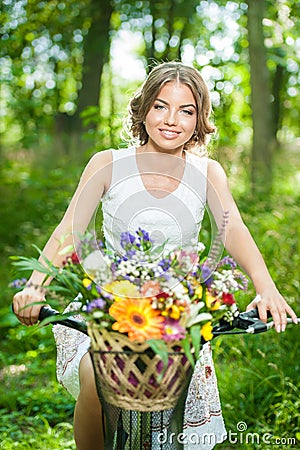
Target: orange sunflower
x,y
136,317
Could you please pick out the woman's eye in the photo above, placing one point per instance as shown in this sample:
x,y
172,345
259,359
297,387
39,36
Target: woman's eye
x,y
188,112
159,107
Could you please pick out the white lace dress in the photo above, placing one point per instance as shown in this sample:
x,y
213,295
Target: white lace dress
x,y
176,219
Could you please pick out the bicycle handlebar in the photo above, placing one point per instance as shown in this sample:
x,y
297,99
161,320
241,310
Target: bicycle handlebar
x,y
246,322
70,322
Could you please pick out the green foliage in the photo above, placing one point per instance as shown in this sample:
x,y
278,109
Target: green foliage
x,y
257,375
258,385
43,60
41,65
37,413
35,433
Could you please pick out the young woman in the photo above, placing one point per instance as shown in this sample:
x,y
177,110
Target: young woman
x,y
162,183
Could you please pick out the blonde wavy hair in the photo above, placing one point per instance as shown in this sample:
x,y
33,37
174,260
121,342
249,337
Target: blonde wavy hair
x,y
144,98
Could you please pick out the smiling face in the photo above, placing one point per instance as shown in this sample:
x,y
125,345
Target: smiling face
x,y
172,119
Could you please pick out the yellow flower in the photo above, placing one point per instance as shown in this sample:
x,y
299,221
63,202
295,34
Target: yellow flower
x,y
199,291
121,289
87,282
137,318
172,311
206,331
212,302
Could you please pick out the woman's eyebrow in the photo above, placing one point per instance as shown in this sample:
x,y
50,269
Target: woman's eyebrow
x,y
181,106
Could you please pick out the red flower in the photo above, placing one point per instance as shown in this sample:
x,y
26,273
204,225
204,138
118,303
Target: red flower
x,y
228,299
162,295
74,258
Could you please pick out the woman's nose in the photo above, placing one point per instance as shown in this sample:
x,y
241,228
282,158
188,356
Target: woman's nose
x,y
170,118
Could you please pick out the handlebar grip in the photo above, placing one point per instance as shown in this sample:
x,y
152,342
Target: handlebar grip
x,y
47,311
253,314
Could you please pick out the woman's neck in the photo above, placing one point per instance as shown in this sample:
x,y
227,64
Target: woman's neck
x,y
151,160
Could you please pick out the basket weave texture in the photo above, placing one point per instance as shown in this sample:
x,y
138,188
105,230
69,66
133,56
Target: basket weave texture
x,y
127,372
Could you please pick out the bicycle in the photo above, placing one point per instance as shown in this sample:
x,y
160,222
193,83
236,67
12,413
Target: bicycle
x,y
134,430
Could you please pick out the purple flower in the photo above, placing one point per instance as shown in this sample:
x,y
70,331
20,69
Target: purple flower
x,y
227,261
98,303
98,289
19,283
144,235
166,276
243,285
107,295
126,239
130,253
206,275
190,289
165,264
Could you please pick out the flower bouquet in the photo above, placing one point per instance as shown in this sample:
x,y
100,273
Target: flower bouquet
x,y
148,313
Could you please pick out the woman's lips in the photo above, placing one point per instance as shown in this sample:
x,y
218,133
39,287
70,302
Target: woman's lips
x,y
169,134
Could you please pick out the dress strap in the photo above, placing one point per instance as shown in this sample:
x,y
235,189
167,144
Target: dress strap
x,y
124,164
196,175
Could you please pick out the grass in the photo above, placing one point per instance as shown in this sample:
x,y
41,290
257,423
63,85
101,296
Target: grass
x,y
36,412
257,375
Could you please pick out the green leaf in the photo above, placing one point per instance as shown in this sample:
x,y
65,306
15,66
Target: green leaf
x,y
67,249
157,250
160,348
32,304
195,331
59,317
187,350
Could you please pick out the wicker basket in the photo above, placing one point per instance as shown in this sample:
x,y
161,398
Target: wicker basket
x,y
127,372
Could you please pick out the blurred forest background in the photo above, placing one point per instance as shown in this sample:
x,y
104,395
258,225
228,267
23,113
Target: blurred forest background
x,y
68,69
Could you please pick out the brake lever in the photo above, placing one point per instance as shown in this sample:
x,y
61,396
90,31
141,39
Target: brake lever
x,y
248,321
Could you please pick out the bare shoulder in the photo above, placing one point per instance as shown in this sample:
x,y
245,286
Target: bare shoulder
x,y
216,174
100,160
99,169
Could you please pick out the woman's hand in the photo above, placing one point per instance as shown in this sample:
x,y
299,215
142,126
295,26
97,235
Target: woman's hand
x,y
28,315
271,300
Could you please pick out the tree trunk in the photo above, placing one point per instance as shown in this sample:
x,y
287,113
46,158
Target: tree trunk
x,y
96,52
276,110
262,147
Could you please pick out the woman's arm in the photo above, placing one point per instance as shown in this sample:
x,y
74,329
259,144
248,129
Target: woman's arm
x,y
93,183
240,244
